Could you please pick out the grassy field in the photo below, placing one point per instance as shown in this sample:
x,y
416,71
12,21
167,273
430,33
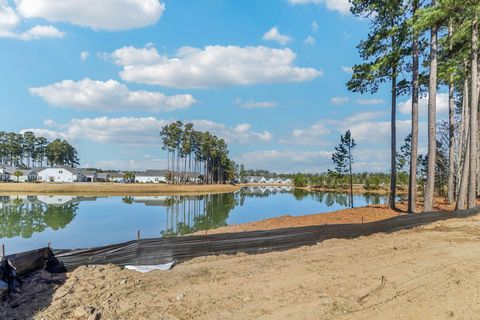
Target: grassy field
x,y
113,189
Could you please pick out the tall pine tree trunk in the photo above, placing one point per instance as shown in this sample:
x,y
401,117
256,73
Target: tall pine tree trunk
x,y
451,131
432,139
412,180
393,146
465,150
472,180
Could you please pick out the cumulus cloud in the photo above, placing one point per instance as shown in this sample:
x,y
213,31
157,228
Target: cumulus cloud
x,y
346,69
250,104
338,101
39,32
130,56
212,66
313,135
110,95
442,105
373,101
106,14
309,40
84,55
274,35
136,165
286,161
10,21
341,6
143,130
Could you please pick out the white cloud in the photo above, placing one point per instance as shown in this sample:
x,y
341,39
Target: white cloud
x,y
10,21
313,135
347,69
250,104
84,55
274,35
286,161
342,6
39,32
106,14
137,165
128,56
110,95
212,66
314,26
143,130
373,101
309,40
339,100
442,105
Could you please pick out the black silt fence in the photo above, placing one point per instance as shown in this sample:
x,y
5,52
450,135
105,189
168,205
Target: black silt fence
x,y
164,250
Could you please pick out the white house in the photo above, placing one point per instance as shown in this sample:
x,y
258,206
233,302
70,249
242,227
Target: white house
x,y
27,176
88,175
116,177
4,174
151,176
60,174
103,177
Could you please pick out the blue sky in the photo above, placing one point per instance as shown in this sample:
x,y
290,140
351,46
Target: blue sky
x,y
268,76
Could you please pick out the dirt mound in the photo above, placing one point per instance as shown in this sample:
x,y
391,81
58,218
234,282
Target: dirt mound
x,y
425,273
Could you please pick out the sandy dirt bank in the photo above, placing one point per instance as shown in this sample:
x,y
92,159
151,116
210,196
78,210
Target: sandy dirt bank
x,y
113,189
356,215
430,272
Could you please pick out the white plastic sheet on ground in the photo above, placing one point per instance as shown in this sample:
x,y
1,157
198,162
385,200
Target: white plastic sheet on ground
x,y
145,269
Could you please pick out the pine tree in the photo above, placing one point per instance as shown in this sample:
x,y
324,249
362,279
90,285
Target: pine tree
x,y
343,158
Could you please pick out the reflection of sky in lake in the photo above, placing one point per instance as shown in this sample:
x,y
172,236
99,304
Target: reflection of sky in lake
x,y
29,222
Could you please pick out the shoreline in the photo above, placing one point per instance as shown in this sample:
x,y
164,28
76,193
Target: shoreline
x,y
111,189
366,214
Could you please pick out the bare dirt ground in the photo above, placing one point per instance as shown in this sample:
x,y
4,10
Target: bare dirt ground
x,y
112,189
430,272
356,215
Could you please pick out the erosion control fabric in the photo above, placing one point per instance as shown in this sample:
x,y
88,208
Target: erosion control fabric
x,y
165,250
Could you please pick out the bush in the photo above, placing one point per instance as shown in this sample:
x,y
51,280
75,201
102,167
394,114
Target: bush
x,y
300,181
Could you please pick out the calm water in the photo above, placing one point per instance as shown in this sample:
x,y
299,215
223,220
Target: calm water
x,y
29,222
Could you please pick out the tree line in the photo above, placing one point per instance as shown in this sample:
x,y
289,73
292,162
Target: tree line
x,y
190,151
29,151
416,47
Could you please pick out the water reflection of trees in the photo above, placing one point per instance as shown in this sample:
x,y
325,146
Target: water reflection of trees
x,y
188,214
24,218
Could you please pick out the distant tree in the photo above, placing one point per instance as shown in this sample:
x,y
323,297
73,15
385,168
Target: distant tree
x,y
60,152
300,181
403,157
343,158
18,174
129,176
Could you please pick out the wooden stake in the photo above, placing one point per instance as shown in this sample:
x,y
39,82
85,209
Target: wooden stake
x,y
3,251
138,234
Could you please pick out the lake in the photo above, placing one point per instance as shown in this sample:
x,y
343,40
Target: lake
x,y
67,222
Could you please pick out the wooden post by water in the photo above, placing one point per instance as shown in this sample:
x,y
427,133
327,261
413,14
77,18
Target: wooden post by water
x,y
138,234
3,251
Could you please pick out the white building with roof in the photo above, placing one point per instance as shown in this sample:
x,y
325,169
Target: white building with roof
x,y
60,174
151,176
